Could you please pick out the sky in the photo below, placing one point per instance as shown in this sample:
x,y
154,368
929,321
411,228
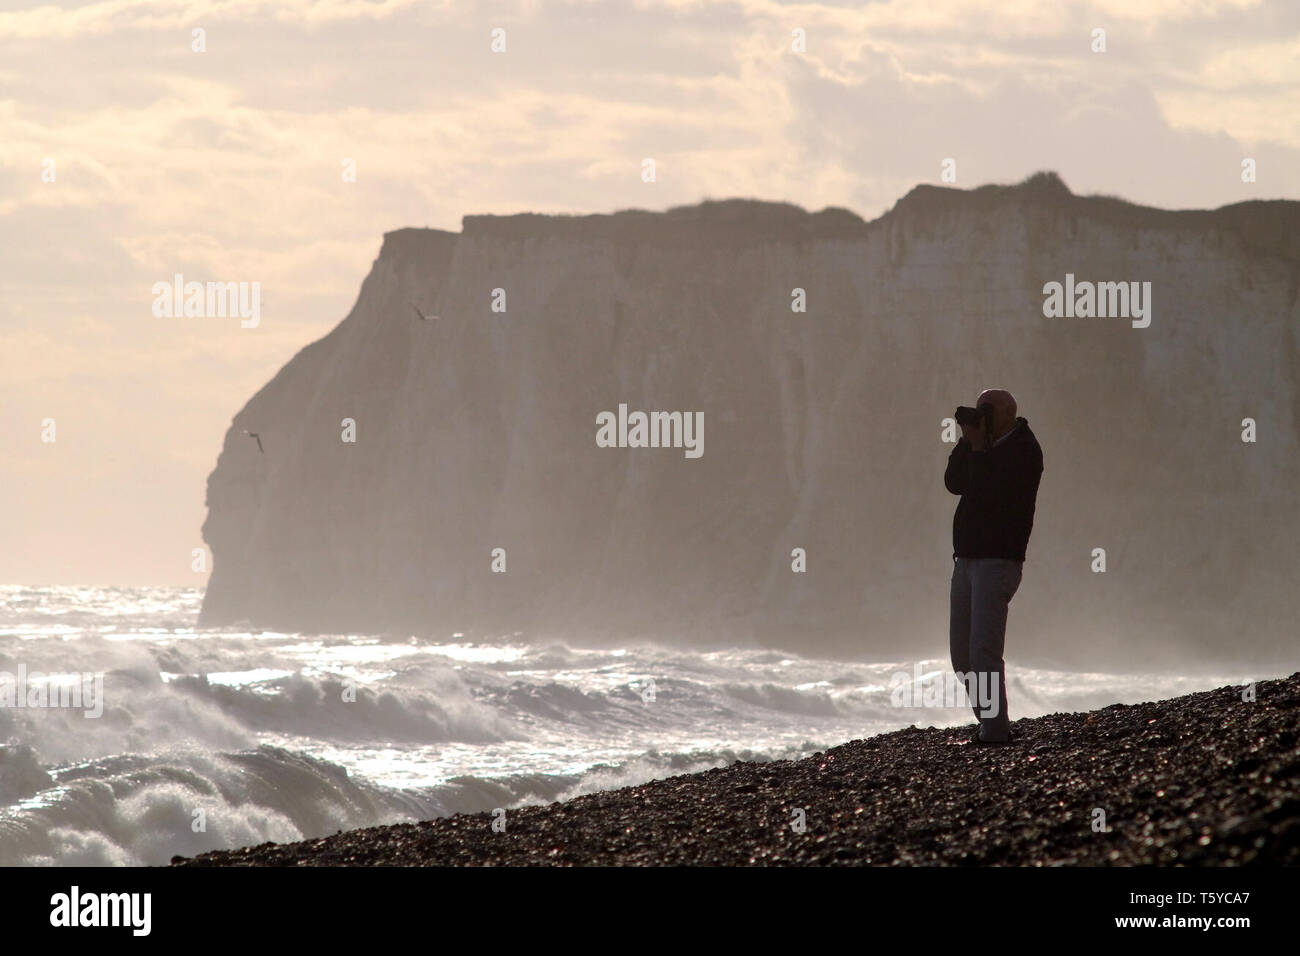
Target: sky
x,y
128,155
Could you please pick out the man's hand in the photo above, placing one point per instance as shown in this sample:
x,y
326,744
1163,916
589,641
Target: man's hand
x,y
974,435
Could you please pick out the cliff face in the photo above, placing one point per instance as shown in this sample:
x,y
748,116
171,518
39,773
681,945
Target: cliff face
x,y
477,431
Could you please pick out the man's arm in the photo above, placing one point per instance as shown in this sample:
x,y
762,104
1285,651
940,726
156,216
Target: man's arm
x,y
956,477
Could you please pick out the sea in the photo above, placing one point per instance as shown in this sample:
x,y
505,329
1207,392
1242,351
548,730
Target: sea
x,y
129,735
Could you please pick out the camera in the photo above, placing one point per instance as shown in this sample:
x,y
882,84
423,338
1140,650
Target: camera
x,y
965,415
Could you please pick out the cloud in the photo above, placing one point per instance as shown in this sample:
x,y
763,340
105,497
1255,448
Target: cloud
x,y
50,20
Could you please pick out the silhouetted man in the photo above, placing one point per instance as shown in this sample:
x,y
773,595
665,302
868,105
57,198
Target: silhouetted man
x,y
997,477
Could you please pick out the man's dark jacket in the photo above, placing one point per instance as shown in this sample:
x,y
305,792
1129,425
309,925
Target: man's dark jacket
x,y
998,488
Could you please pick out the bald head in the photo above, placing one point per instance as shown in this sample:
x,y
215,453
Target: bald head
x,y
1004,409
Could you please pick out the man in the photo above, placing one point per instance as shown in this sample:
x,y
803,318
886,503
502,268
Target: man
x,y
997,477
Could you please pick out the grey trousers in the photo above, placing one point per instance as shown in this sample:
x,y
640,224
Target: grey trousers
x,y
981,590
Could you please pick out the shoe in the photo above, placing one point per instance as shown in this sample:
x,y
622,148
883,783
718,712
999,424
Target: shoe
x,y
979,742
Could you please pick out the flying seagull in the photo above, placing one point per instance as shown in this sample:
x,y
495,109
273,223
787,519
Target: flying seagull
x,y
259,440
421,314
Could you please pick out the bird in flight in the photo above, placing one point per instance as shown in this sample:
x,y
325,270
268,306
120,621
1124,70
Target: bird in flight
x,y
259,440
426,318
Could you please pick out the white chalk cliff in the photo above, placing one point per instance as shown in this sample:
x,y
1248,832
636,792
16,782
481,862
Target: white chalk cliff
x,y
822,430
